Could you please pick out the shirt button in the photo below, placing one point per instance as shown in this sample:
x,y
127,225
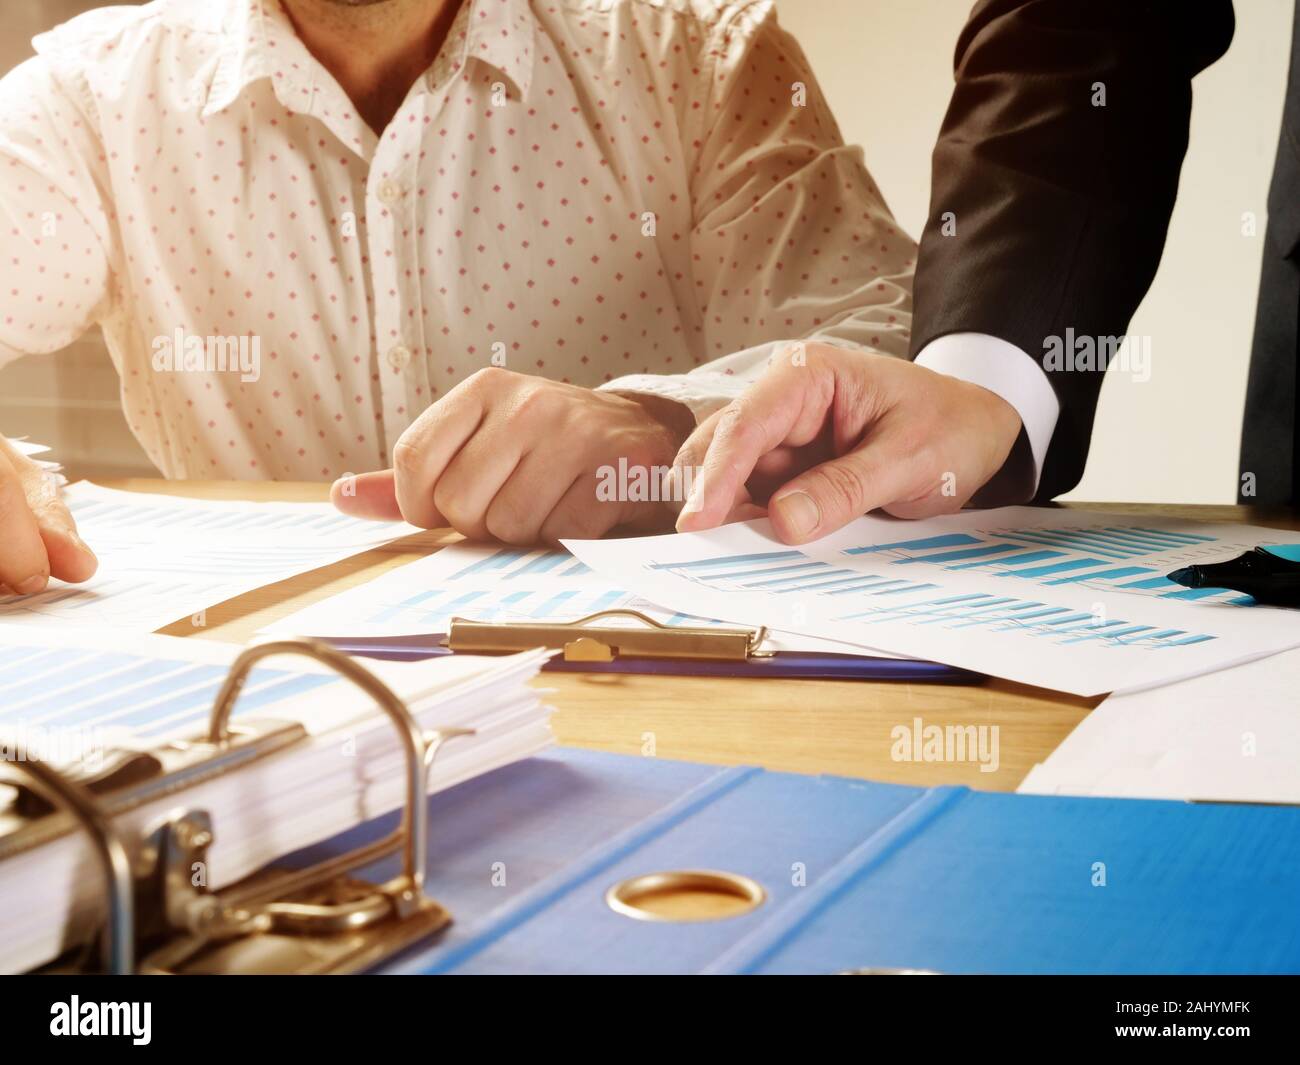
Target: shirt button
x,y
389,193
398,357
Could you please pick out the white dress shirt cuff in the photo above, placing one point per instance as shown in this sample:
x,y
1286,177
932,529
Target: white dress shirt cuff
x,y
702,394
1006,371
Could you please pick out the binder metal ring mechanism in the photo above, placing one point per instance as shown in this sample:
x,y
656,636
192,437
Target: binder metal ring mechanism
x,y
313,920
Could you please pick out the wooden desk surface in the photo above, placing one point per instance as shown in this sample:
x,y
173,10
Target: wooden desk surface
x,y
805,726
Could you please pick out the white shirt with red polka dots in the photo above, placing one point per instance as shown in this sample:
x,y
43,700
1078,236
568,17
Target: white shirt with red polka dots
x,y
590,190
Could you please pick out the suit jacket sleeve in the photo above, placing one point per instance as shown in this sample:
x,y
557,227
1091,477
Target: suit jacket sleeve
x,y
1049,207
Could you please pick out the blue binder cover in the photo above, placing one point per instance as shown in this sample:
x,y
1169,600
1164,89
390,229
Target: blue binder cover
x,y
857,874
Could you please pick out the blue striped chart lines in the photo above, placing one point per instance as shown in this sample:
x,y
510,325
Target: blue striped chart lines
x,y
1115,558
511,585
431,609
196,518
1056,624
1109,557
509,564
87,691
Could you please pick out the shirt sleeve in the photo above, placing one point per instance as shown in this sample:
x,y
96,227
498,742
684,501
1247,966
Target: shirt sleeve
x,y
55,260
1006,371
792,239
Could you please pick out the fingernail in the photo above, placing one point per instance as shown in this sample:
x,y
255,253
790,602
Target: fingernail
x,y
80,544
31,585
798,512
693,500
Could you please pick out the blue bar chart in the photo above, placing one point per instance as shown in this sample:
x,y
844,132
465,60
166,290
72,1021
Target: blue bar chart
x,y
1117,558
511,564
903,580
431,609
1067,599
1110,558
478,583
163,558
88,693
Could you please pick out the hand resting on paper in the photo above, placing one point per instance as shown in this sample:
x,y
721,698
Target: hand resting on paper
x,y
38,538
517,458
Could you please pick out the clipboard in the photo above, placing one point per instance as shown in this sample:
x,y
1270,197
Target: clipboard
x,y
318,919
653,648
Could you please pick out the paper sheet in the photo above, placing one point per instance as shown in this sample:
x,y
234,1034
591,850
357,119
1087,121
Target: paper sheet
x,y
488,583
162,558
1231,736
32,449
1071,600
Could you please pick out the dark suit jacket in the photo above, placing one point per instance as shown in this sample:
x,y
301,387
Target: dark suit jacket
x,y
1272,422
1061,206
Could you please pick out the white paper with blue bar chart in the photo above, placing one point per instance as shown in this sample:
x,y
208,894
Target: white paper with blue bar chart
x,y
1072,600
493,583
162,558
69,696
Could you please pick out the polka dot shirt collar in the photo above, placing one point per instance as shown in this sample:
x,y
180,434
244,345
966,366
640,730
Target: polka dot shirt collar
x,y
261,43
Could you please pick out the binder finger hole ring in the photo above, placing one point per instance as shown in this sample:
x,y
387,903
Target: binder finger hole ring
x,y
685,895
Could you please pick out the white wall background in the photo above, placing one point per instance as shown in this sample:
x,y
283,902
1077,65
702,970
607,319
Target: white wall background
x,y
886,66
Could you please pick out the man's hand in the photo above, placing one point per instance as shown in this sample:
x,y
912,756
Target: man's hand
x,y
512,457
38,538
831,434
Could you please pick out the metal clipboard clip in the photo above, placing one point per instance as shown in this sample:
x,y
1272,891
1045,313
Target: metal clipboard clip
x,y
314,920
583,642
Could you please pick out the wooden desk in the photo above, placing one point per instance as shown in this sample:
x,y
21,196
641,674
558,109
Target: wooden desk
x,y
839,727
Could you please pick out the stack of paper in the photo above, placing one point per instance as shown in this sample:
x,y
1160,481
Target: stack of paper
x,y
74,692
162,558
1230,736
